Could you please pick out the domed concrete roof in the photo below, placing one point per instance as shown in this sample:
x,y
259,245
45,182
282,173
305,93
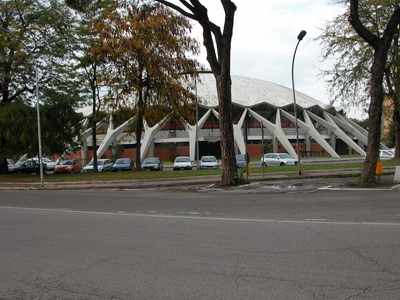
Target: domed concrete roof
x,y
248,92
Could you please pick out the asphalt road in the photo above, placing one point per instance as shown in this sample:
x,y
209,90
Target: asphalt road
x,y
200,243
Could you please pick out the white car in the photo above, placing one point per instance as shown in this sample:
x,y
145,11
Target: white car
x,y
385,155
278,159
182,163
209,162
49,164
10,165
103,165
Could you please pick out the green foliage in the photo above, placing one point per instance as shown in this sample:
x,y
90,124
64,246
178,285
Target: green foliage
x,y
19,131
350,77
390,136
266,146
146,48
171,147
241,179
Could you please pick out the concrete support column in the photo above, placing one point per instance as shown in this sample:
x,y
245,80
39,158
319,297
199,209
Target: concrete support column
x,y
307,140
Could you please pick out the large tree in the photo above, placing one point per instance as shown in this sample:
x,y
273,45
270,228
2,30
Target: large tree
x,y
90,65
363,50
350,76
147,47
381,46
32,35
218,46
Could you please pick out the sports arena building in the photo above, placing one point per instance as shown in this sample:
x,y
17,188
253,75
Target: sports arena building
x,y
263,114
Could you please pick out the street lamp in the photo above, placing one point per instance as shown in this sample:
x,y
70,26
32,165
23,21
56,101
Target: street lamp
x,y
299,38
37,105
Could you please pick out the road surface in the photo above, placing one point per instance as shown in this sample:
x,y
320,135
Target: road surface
x,y
204,243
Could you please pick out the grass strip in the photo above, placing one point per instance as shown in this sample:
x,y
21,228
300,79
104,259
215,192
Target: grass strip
x,y
143,175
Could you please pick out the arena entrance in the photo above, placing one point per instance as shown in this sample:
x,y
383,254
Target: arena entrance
x,y
210,148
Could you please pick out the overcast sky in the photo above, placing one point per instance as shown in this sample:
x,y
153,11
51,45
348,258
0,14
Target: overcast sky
x,y
265,37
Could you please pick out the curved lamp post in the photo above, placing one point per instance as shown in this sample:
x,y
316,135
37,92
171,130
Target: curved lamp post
x,y
37,105
299,38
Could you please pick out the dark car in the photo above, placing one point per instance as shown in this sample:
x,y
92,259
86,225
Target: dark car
x,y
240,160
27,167
152,164
123,164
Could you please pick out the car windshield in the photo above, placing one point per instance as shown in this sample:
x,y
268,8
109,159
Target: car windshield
x,y
182,159
240,157
122,161
150,161
65,162
209,159
99,162
46,160
285,156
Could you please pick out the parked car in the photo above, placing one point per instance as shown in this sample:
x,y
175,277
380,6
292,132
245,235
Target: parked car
x,y
103,165
241,160
10,165
278,159
385,155
208,162
27,167
48,163
152,164
123,164
182,163
68,166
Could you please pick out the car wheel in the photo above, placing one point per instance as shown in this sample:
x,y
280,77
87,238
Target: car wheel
x,y
283,164
264,164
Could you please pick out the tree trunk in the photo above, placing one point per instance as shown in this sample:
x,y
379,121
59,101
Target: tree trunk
x,y
381,48
138,133
3,166
94,126
375,116
229,171
396,120
218,46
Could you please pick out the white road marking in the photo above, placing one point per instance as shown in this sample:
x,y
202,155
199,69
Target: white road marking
x,y
306,221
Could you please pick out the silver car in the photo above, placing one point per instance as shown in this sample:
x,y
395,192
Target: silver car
x,y
209,162
103,165
278,159
182,163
